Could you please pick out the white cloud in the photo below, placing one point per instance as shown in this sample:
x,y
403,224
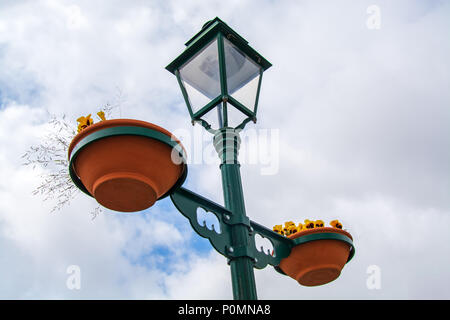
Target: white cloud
x,y
363,122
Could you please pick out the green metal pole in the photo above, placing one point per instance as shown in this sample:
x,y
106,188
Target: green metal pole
x,y
226,142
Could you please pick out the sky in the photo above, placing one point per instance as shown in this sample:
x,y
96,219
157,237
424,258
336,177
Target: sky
x,y
353,124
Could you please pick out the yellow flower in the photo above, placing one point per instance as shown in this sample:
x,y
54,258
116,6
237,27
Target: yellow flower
x,y
81,123
289,223
89,121
101,115
292,229
300,227
286,226
84,122
336,224
278,229
318,224
308,224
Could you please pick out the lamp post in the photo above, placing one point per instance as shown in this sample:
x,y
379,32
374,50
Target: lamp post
x,y
127,165
220,77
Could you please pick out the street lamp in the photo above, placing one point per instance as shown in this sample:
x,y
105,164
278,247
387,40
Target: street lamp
x,y
220,78
127,165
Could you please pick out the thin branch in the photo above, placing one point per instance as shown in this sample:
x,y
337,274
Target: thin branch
x,y
51,154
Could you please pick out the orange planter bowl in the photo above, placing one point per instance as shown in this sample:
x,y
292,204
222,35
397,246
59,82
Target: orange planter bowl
x,y
125,164
318,255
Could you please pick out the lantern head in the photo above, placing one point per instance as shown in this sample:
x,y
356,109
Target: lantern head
x,y
220,76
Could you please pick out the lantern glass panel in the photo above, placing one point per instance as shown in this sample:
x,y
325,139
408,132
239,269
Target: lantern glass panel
x,y
242,75
214,117
247,94
234,116
200,76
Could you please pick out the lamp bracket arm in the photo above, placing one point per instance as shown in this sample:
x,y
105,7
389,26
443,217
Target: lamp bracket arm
x,y
281,246
188,202
219,235
205,125
244,123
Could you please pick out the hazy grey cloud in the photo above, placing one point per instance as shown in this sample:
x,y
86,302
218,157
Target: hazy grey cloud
x,y
362,116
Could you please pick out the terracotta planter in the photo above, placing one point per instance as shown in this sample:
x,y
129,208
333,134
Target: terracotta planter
x,y
318,256
125,164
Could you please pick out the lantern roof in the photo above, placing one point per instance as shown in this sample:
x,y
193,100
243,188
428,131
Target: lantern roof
x,y
206,34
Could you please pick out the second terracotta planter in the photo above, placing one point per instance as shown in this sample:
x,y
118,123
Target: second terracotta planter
x,y
125,164
318,255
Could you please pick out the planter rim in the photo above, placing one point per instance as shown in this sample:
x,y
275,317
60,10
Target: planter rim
x,y
116,123
144,129
303,233
324,233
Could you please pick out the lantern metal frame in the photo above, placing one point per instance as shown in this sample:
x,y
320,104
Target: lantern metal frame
x,y
217,30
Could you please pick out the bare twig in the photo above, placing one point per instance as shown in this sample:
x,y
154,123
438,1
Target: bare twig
x,y
51,154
